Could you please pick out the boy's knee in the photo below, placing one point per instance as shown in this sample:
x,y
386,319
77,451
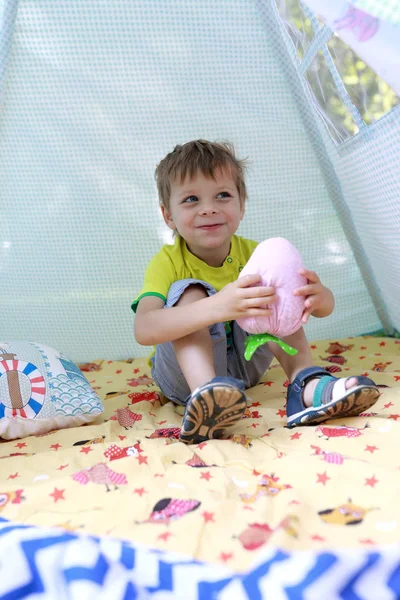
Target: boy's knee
x,y
191,294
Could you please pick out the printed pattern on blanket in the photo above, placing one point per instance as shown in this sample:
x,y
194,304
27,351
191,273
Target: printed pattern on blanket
x,y
127,476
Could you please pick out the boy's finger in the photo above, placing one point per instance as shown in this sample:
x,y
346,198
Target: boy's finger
x,y
249,279
306,290
310,275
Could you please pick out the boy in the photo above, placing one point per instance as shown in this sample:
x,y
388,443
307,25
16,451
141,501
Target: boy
x,y
192,297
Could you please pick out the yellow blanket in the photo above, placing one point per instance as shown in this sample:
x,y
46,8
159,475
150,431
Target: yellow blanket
x,y
126,475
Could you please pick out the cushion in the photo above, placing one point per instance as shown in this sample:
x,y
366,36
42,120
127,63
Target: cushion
x,y
41,390
278,263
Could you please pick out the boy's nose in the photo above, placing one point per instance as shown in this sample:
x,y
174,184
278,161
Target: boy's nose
x,y
208,209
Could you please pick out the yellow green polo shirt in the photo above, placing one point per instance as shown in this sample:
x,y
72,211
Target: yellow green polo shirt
x,y
175,262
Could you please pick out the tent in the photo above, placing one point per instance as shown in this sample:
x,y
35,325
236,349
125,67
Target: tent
x,y
93,95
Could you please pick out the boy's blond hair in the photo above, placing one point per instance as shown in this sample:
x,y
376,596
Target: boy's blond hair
x,y
199,155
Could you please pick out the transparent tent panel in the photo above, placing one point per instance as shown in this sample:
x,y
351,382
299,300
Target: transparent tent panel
x,y
297,24
331,107
371,95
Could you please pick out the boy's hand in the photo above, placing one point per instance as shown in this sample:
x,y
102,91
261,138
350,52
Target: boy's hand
x,y
319,300
243,298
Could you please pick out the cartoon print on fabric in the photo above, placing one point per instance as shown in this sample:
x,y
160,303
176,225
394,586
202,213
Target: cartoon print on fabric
x,y
98,440
258,534
241,439
15,497
114,452
142,380
338,348
345,514
16,403
341,431
151,397
170,509
100,474
126,418
268,486
166,432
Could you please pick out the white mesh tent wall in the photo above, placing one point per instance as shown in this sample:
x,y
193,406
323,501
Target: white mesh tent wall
x,y
94,94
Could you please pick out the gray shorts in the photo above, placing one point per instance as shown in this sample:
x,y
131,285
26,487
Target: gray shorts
x,y
166,371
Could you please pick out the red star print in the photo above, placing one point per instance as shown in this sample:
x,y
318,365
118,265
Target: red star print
x,y
206,475
136,371
313,347
255,404
368,542
118,371
20,445
208,517
246,507
397,377
142,459
317,538
140,491
363,347
256,473
161,422
164,536
158,475
371,481
322,478
254,425
13,476
202,445
294,502
366,374
361,357
61,467
388,405
225,556
394,417
86,449
370,449
295,436
122,437
382,344
57,494
268,383
55,446
286,383
281,412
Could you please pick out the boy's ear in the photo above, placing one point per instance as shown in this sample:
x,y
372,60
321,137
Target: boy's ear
x,y
167,217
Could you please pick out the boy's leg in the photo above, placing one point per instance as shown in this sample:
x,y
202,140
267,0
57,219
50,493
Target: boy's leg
x,y
193,371
195,352
314,395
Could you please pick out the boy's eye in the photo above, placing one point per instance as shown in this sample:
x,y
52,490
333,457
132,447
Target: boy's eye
x,y
224,195
190,199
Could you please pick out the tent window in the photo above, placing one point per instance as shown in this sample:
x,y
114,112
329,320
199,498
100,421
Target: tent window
x,y
346,92
297,24
328,102
371,95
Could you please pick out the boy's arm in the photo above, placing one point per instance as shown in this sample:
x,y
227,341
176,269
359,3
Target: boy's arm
x,y
156,325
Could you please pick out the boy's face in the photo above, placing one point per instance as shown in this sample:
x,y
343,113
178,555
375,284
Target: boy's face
x,y
206,212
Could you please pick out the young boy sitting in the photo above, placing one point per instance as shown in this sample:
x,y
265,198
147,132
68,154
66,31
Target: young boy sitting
x,y
192,296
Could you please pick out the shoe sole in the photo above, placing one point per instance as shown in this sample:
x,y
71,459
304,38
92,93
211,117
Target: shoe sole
x,y
355,402
210,411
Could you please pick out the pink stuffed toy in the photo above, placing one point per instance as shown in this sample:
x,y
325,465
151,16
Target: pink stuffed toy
x,y
278,263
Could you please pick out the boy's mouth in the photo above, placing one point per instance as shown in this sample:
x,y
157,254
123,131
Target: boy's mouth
x,y
210,227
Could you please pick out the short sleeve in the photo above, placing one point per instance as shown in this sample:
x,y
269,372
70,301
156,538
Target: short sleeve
x,y
158,278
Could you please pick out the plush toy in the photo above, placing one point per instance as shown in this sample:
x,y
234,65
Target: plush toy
x,y
278,263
